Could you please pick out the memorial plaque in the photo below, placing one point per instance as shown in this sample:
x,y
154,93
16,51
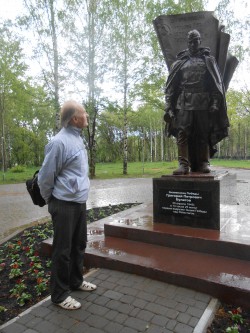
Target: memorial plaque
x,y
185,203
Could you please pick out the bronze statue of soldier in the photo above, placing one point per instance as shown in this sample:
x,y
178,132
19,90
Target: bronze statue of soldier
x,y
195,110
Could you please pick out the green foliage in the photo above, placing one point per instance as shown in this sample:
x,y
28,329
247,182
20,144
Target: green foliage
x,y
18,169
237,319
18,289
106,53
23,298
2,309
24,125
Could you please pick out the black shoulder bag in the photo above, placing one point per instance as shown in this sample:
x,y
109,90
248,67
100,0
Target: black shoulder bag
x,y
34,190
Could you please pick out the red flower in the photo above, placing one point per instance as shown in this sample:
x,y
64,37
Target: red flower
x,y
39,280
31,264
36,254
237,311
15,265
19,242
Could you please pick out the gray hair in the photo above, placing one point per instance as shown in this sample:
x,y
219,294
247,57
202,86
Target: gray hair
x,y
68,110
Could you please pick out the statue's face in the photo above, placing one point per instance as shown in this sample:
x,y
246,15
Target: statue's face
x,y
193,45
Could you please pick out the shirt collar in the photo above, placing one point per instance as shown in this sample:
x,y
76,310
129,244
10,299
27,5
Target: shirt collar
x,y
75,130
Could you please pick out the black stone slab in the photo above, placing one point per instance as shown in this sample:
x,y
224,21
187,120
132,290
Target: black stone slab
x,y
192,200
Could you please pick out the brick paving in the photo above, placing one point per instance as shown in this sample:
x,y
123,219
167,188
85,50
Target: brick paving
x,y
122,303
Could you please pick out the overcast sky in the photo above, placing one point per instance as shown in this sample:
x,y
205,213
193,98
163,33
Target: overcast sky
x,y
11,8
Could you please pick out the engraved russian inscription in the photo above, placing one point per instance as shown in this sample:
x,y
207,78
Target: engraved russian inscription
x,y
185,203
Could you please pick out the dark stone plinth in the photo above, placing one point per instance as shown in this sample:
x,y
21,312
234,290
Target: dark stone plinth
x,y
192,200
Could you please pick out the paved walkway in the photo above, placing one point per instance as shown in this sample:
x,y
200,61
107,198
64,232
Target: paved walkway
x,y
122,303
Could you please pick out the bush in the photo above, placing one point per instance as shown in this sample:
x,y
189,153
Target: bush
x,y
18,169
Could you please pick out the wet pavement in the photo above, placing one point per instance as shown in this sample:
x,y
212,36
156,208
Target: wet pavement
x,y
17,210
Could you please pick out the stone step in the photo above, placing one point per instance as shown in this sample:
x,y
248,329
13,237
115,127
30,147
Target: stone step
x,y
225,278
179,237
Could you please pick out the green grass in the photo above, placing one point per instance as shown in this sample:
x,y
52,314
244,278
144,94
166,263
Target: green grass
x,y
241,164
135,169
114,170
11,177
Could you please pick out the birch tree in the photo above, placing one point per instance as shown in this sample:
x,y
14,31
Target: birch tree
x,y
86,30
44,19
126,48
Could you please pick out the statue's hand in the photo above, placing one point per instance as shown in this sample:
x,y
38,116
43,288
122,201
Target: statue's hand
x,y
213,109
169,115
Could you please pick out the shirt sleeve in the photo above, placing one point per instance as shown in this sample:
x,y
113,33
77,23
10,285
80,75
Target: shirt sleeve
x,y
51,167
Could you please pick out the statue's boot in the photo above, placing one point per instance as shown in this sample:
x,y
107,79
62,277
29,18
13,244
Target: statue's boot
x,y
204,158
183,168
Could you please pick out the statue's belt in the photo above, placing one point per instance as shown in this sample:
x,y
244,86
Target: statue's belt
x,y
198,100
193,90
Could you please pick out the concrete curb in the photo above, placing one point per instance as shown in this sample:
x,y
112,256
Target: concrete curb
x,y
207,317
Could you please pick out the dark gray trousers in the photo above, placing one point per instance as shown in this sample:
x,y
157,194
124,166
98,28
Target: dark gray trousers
x,y
69,243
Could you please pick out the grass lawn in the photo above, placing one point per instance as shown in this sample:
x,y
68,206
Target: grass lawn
x,y
114,170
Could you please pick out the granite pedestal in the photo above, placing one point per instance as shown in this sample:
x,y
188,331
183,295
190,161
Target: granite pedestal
x,y
193,200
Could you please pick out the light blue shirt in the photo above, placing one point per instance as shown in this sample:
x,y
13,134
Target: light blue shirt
x,y
64,172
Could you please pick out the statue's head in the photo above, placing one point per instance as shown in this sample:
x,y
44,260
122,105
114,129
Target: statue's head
x,y
194,41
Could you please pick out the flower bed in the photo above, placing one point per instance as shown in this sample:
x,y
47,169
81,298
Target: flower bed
x,y
230,319
24,274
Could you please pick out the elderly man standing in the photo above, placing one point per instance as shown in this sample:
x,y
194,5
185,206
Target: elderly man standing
x,y
195,106
64,184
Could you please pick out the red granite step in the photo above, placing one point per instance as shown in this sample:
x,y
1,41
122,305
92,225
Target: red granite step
x,y
179,237
225,278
